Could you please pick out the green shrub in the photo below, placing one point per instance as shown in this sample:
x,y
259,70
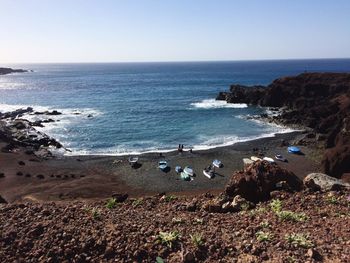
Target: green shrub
x,y
299,240
168,238
262,236
111,203
197,239
276,205
291,216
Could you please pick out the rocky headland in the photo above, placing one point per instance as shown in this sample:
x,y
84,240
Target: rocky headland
x,y
318,101
4,71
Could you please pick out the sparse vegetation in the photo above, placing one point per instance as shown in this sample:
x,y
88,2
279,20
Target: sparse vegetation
x,y
299,240
169,198
265,224
332,199
95,213
198,221
168,238
197,239
285,215
262,236
111,203
276,205
159,260
137,202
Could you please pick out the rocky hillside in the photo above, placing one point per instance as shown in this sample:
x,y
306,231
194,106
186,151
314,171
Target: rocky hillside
x,y
305,226
320,101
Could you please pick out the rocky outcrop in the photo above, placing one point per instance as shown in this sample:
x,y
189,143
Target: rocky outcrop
x,y
320,101
2,200
4,71
256,181
319,181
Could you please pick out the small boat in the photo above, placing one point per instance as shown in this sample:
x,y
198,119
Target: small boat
x,y
293,149
162,165
178,169
280,158
184,176
254,158
133,160
208,172
217,163
268,159
188,170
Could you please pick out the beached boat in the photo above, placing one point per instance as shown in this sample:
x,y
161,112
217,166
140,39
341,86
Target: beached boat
x,y
217,163
268,159
178,169
184,176
280,158
293,149
162,165
254,158
247,161
133,160
188,170
209,172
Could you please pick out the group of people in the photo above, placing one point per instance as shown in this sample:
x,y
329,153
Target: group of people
x,y
180,149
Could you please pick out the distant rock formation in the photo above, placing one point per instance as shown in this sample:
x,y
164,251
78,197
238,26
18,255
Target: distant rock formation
x,y
320,101
4,71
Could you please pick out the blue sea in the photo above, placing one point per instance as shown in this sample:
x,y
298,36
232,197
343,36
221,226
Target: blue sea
x,y
120,108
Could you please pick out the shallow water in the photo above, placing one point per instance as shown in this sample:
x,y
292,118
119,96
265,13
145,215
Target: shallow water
x,y
140,107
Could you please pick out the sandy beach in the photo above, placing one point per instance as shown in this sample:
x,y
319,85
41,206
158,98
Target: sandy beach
x,y
27,177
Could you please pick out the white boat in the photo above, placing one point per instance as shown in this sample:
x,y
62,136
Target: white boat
x,y
208,173
133,160
188,170
254,158
184,176
247,161
162,165
280,158
268,159
217,163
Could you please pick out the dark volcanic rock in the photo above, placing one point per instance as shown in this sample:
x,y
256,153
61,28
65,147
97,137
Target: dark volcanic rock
x,y
320,101
4,71
258,180
2,200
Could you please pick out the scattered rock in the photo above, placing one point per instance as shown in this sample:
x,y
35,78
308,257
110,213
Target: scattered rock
x,y
319,181
2,175
2,200
21,163
120,197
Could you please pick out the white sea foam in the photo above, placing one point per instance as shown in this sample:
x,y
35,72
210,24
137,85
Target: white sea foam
x,y
217,104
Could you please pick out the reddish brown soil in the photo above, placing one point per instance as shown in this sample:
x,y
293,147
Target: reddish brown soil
x,y
71,231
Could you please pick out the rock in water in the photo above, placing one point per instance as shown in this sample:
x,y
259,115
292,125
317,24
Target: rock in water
x,y
256,181
319,181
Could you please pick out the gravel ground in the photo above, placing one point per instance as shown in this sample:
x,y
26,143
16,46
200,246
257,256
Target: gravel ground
x,y
317,228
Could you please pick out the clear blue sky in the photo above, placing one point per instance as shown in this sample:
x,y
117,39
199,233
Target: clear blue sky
x,y
177,30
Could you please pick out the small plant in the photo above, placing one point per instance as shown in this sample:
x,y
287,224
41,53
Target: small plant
x,y
299,240
276,205
197,239
159,260
168,238
291,216
111,203
332,200
95,213
265,224
245,206
137,202
169,198
176,220
262,236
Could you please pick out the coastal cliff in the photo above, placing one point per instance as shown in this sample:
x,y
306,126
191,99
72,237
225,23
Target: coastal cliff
x,y
4,71
320,101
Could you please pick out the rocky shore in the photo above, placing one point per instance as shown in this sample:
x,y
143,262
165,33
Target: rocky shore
x,y
4,71
99,209
318,101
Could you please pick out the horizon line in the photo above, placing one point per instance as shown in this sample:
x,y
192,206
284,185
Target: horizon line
x,y
177,61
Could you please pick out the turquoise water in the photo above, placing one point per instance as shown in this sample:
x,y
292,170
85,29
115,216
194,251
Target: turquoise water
x,y
140,107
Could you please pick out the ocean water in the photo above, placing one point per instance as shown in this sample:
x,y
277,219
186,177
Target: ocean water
x,y
119,108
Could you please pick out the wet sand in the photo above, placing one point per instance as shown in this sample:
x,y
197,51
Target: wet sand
x,y
95,177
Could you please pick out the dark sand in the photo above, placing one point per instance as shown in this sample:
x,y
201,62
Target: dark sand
x,y
95,177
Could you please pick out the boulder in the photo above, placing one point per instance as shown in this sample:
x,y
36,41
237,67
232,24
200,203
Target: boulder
x,y
120,197
2,200
320,181
256,181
